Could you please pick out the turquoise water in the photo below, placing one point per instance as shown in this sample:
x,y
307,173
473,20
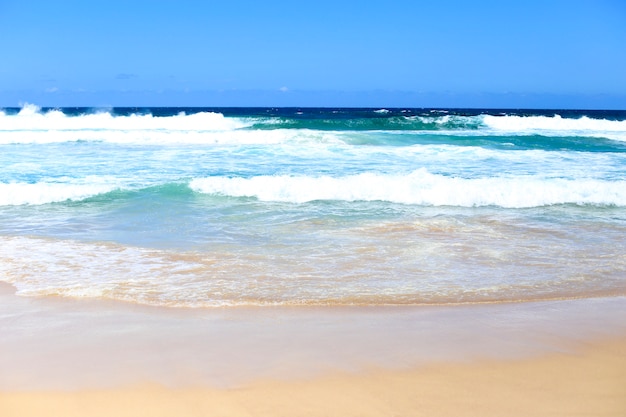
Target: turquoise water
x,y
223,207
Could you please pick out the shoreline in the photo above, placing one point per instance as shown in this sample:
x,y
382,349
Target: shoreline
x,y
70,357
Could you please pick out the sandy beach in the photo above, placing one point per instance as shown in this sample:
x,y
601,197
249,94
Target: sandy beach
x,y
591,382
324,209
69,358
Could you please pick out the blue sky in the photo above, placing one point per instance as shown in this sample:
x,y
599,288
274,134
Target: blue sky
x,y
528,53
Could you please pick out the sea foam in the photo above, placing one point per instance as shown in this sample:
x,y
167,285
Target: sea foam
x,y
31,118
14,194
31,125
420,187
557,126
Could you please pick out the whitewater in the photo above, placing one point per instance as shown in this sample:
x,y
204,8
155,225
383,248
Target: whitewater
x,y
190,207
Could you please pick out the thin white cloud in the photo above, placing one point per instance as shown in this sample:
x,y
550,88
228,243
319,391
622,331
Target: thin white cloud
x,y
125,76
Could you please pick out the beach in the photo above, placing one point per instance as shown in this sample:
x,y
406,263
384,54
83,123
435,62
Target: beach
x,y
590,383
75,357
312,262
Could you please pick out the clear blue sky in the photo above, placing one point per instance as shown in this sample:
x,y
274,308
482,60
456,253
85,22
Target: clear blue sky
x,y
526,53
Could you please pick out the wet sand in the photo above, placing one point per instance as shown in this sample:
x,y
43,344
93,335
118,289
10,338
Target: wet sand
x,y
68,358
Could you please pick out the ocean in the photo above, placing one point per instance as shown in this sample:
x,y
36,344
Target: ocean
x,y
226,207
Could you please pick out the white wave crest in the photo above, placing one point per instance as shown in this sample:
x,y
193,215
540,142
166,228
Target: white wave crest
x,y
31,118
15,194
31,125
557,126
420,188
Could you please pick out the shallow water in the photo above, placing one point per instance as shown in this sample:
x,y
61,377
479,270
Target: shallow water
x,y
229,207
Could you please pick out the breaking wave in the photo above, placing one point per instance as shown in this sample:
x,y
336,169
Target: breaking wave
x,y
420,188
32,125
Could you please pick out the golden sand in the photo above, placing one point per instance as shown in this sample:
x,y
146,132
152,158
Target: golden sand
x,y
70,358
588,382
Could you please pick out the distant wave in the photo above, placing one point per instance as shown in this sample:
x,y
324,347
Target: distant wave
x,y
420,188
32,125
31,118
557,125
385,122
